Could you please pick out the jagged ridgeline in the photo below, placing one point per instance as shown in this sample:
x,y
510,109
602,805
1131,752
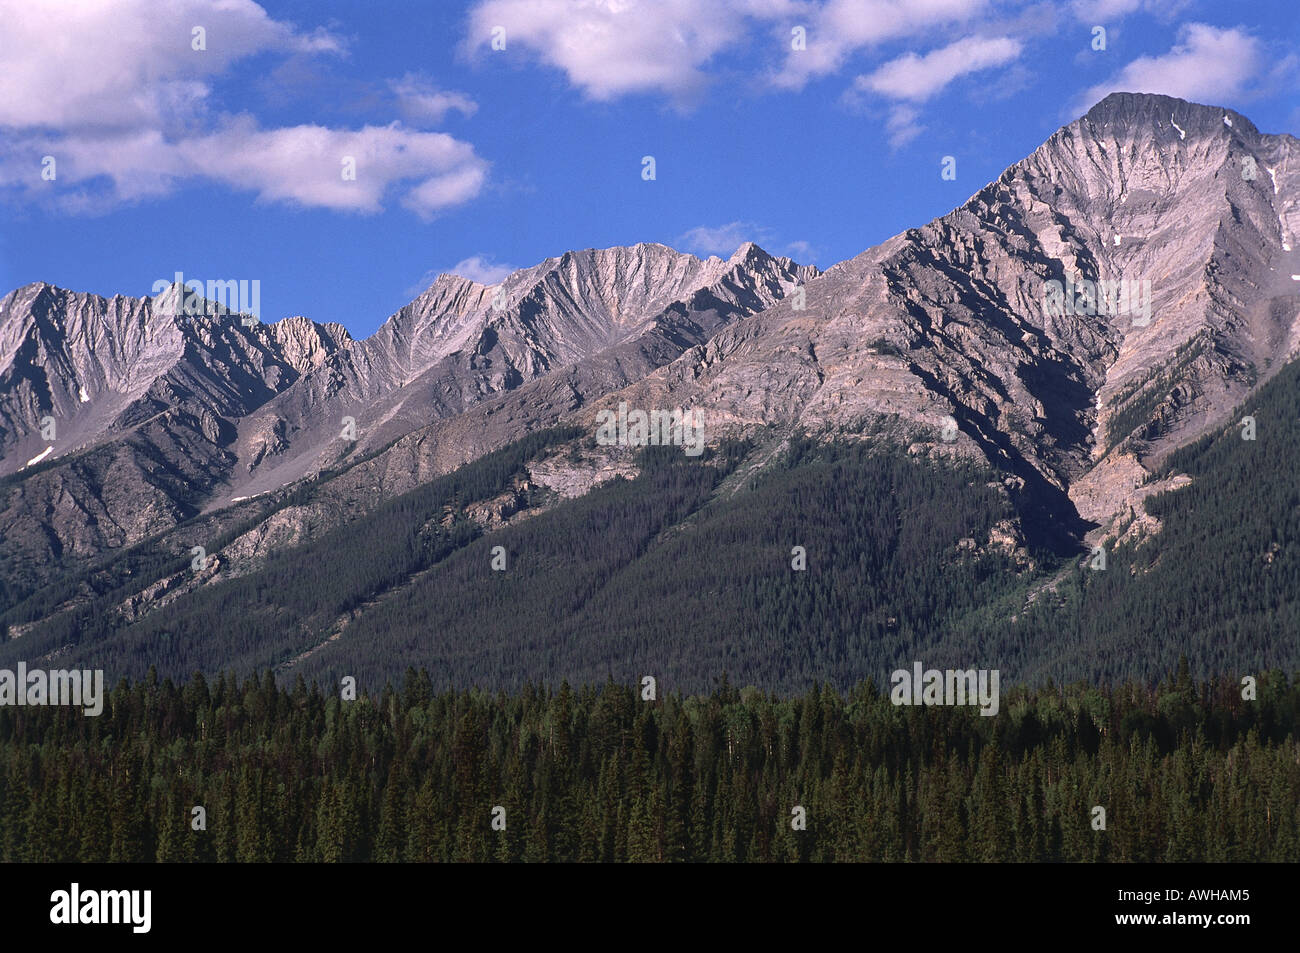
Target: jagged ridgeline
x,y
210,494
1187,772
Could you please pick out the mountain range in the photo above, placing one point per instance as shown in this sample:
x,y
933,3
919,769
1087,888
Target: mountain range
x,y
1056,342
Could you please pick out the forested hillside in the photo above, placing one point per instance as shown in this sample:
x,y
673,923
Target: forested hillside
x,y
841,560
659,575
1219,583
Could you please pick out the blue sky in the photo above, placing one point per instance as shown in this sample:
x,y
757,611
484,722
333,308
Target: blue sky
x,y
227,162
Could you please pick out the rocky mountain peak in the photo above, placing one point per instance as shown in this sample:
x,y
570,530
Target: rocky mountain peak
x,y
1185,210
747,252
1145,111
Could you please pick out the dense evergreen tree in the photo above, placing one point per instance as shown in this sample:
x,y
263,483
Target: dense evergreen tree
x,y
1185,772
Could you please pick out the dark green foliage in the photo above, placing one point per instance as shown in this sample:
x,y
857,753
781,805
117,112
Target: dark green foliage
x,y
685,572
1153,389
269,616
1187,772
1220,583
670,573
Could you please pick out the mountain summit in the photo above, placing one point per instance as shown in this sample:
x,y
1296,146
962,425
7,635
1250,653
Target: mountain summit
x,y
1105,301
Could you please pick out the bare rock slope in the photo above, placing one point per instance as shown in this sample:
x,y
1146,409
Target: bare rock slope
x,y
1104,301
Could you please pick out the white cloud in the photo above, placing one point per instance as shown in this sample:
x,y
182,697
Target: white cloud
x,y
842,27
903,125
724,240
912,79
303,165
128,63
1208,65
420,100
802,252
721,240
609,48
917,78
456,186
115,93
481,268
296,165
1099,11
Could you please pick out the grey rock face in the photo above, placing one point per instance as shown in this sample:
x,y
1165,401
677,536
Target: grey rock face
x,y
461,343
954,318
140,404
160,416
1185,216
102,367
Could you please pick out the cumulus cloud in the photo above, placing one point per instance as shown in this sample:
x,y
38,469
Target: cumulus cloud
x,y
903,125
802,252
304,165
911,79
128,63
721,240
917,78
421,101
609,48
117,95
1207,65
724,240
481,268
1100,11
840,28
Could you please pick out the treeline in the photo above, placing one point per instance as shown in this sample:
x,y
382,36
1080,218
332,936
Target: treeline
x,y
1184,772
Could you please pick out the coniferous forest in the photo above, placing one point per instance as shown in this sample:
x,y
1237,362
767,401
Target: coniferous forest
x,y
487,433
686,570
1185,772
570,761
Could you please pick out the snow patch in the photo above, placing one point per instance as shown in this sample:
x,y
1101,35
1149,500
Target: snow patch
x,y
40,456
1182,134
252,496
1227,122
1281,225
82,395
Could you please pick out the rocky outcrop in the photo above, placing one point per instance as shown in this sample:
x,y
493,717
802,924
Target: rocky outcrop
x,y
958,318
597,319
